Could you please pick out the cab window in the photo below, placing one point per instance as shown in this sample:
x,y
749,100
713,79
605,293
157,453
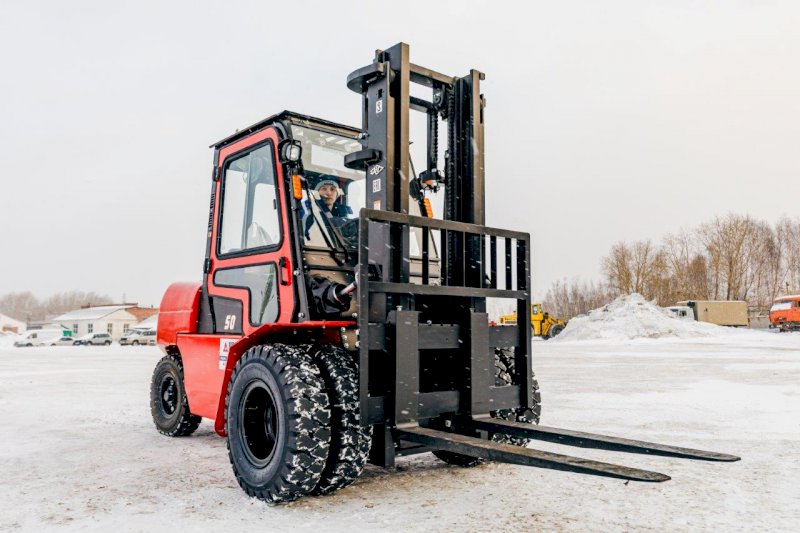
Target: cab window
x,y
250,217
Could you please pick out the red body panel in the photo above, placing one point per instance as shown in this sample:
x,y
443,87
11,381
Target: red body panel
x,y
201,373
178,312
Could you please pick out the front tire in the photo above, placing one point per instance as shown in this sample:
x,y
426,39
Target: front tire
x,y
350,442
169,405
277,418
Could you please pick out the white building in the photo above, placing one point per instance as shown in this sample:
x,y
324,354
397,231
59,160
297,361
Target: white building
x,y
150,322
112,319
10,325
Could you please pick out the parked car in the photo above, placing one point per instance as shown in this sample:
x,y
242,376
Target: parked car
x,y
97,339
148,336
79,341
62,341
139,336
129,337
38,337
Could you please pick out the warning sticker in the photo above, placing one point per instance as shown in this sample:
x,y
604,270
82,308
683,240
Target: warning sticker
x,y
224,350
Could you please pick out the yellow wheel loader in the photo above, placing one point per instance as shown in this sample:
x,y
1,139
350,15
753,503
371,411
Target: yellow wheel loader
x,y
542,324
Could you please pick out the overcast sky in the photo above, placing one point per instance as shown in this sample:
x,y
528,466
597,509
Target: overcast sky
x,y
605,121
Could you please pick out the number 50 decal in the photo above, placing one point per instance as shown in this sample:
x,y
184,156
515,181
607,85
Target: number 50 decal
x,y
230,322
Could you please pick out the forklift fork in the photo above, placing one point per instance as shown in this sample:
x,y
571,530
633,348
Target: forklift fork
x,y
505,453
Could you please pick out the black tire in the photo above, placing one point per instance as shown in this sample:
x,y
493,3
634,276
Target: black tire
x,y
169,405
277,418
350,442
107,343
555,330
135,343
504,369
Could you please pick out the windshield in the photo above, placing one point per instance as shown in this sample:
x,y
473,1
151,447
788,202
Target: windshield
x,y
333,194
781,306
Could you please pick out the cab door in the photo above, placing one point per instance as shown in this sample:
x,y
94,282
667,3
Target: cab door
x,y
248,282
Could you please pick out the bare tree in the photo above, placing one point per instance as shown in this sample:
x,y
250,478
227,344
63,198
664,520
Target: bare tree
x,y
618,268
733,257
27,307
639,267
733,245
567,299
687,268
66,301
788,233
21,306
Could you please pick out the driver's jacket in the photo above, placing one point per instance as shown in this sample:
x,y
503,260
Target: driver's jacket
x,y
336,215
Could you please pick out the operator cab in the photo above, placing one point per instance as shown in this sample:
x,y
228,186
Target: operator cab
x,y
283,226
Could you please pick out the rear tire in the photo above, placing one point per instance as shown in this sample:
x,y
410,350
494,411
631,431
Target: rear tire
x,y
350,442
277,418
504,369
107,343
169,405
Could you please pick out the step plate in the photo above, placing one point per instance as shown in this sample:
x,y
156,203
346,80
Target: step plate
x,y
592,440
506,453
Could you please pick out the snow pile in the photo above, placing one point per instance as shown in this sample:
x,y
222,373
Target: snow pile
x,y
7,339
632,317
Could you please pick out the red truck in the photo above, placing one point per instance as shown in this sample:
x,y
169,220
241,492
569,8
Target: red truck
x,y
785,313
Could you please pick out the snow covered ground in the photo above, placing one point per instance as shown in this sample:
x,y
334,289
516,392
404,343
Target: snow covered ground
x,y
78,450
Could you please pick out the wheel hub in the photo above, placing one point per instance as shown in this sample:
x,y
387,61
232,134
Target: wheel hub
x,y
169,395
258,423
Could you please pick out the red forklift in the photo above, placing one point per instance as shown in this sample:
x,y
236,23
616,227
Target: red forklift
x,y
339,322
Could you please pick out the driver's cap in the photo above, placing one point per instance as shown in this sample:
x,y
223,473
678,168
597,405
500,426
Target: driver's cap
x,y
326,182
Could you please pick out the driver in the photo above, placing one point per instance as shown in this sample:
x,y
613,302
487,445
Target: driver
x,y
328,191
329,205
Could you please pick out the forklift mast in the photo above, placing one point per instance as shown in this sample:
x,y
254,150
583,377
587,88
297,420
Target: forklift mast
x,y
431,326
387,102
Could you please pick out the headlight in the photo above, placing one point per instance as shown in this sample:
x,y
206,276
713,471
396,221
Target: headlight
x,y
291,152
